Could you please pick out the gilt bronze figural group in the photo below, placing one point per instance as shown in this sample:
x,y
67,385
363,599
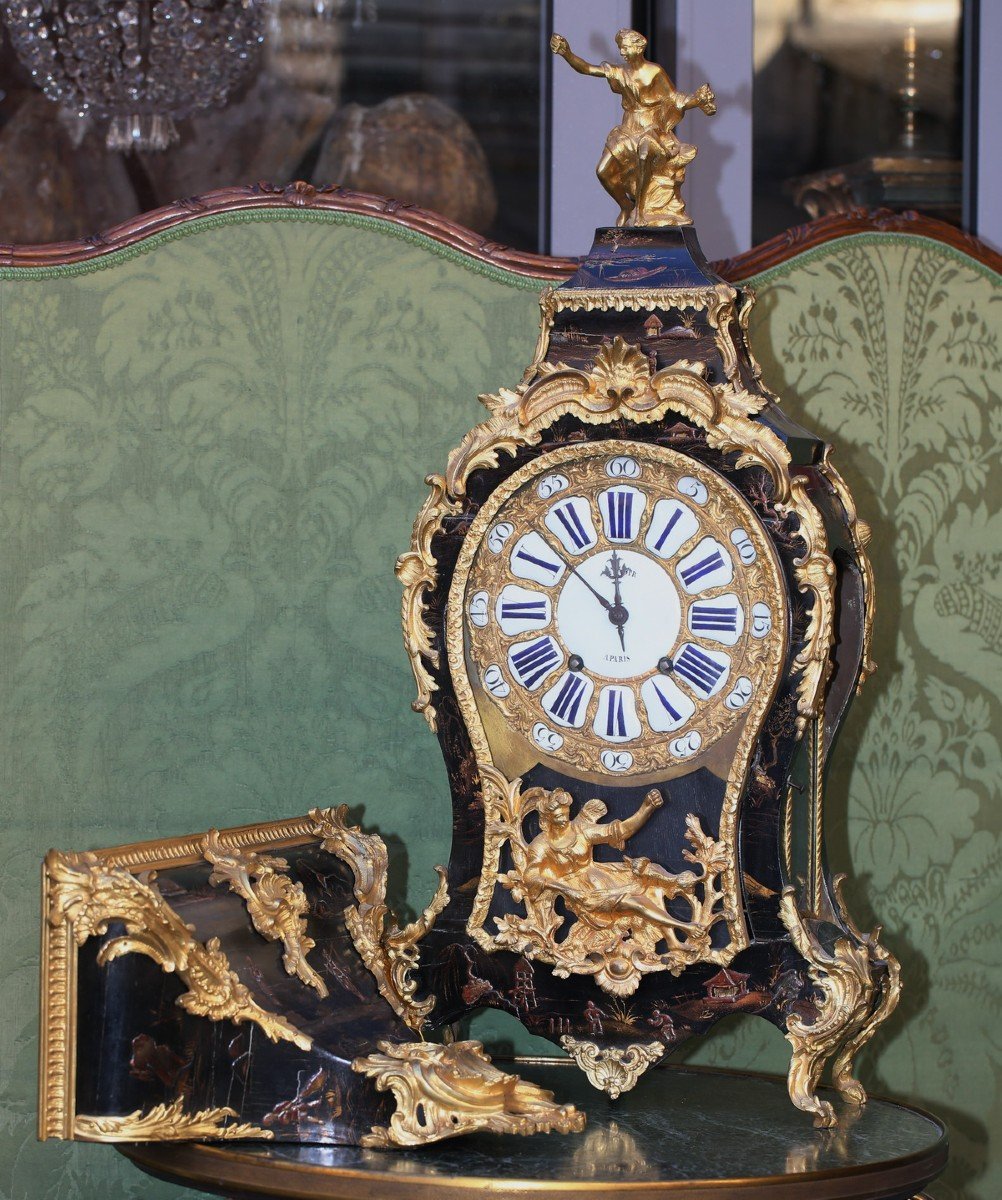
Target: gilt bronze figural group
x,y
636,604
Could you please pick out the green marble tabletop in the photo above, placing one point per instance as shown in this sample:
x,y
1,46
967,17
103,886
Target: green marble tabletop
x,y
684,1133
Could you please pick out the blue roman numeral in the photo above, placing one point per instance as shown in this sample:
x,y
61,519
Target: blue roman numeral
x,y
701,671
666,704
568,699
535,660
713,618
615,720
523,610
701,568
567,515
672,522
620,510
552,567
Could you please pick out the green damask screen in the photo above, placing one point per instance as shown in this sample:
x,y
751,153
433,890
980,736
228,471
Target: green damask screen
x,y
212,454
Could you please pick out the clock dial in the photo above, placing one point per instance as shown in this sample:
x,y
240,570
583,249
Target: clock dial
x,y
622,609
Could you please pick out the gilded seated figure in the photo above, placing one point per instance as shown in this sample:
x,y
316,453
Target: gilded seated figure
x,y
560,862
643,164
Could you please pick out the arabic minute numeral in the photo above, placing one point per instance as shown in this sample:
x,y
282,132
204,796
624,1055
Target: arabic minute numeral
x,y
740,695
692,488
545,737
495,682
497,537
623,467
550,486
686,745
743,545
616,760
761,620
480,609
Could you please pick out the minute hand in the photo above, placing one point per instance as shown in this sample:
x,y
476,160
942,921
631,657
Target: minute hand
x,y
606,604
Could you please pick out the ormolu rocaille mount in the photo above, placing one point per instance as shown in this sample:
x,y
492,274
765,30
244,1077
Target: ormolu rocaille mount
x,y
637,604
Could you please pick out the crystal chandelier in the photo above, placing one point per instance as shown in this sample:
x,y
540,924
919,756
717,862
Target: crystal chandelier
x,y
140,64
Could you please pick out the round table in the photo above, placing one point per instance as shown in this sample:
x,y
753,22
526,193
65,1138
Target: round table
x,y
683,1133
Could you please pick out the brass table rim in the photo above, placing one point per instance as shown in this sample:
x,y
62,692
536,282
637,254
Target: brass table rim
x,y
264,1178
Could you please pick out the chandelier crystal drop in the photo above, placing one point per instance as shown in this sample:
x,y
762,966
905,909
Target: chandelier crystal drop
x,y
139,64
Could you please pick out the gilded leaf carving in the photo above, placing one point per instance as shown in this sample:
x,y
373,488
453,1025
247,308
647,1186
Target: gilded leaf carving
x,y
389,951
276,906
87,895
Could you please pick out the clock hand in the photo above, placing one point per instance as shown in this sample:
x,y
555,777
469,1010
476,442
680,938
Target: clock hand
x,y
618,615
606,604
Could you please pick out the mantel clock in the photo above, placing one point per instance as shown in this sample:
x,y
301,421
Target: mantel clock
x,y
637,605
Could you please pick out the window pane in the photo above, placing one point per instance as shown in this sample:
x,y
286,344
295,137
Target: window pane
x,y
855,102
436,102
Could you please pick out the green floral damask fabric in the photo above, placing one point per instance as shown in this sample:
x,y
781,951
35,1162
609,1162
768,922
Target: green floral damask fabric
x,y
212,452
891,347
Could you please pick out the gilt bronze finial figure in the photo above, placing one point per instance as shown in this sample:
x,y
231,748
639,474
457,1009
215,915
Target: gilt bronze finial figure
x,y
643,164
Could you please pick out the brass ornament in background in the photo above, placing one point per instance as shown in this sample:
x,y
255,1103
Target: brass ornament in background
x,y
85,894
442,1091
167,1123
621,908
276,906
389,952
851,1008
643,164
613,1070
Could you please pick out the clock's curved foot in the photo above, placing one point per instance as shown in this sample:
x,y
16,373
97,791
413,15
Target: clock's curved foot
x,y
888,992
854,999
802,1082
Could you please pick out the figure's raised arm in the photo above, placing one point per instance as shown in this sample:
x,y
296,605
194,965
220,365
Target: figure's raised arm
x,y
560,46
618,832
702,97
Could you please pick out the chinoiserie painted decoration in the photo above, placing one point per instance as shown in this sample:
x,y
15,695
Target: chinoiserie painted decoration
x,y
636,604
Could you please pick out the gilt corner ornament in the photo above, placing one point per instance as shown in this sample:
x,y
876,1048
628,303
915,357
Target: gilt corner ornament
x,y
276,906
612,1070
442,1091
87,895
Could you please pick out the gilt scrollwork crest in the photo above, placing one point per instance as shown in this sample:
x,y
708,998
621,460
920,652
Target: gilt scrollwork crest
x,y
611,920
